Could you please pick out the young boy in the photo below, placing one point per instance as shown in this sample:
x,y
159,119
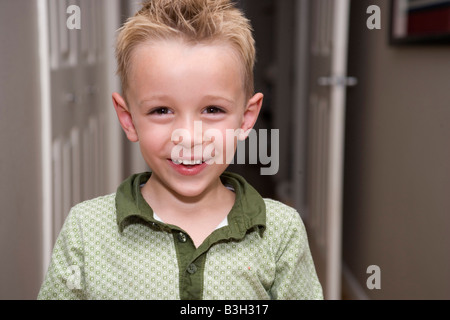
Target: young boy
x,y
187,230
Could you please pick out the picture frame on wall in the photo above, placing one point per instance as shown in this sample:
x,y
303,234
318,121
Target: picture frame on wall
x,y
420,22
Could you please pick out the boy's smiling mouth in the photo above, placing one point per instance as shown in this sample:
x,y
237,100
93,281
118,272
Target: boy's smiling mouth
x,y
187,167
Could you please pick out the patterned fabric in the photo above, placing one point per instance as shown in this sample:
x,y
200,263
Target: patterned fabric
x,y
94,259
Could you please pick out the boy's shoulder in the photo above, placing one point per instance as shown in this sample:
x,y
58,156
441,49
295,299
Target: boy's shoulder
x,y
96,203
97,206
90,219
279,209
280,214
276,205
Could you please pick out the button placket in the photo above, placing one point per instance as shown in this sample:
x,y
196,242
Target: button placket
x,y
191,264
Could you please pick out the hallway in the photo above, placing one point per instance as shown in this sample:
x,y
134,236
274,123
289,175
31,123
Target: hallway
x,y
61,142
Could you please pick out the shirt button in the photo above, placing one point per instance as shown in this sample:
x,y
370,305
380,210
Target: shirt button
x,y
192,268
182,237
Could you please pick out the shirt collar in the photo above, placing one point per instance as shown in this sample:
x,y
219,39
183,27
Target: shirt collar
x,y
248,211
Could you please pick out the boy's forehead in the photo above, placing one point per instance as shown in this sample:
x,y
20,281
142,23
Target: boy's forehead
x,y
165,60
179,46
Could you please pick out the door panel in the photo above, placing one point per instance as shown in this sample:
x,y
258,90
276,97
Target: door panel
x,y
328,81
77,81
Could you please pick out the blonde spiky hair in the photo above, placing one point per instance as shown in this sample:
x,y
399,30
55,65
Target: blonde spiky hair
x,y
194,21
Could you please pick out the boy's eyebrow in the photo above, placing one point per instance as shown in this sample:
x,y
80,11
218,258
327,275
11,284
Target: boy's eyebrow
x,y
153,97
217,97
160,97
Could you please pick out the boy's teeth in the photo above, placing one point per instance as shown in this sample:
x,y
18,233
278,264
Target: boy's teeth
x,y
187,162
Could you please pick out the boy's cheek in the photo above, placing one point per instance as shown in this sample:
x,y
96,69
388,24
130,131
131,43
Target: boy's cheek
x,y
221,151
153,141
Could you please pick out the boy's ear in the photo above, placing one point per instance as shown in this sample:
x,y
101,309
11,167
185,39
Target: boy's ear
x,y
125,118
251,114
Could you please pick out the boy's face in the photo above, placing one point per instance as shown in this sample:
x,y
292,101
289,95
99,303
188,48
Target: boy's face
x,y
182,102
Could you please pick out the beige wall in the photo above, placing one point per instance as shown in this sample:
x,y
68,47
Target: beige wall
x,y
20,164
397,172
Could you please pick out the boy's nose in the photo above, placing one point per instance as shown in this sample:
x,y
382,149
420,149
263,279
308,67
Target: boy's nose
x,y
189,135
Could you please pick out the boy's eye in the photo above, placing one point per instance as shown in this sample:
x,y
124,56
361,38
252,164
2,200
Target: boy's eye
x,y
213,109
160,111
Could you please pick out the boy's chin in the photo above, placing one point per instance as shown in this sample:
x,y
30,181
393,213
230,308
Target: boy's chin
x,y
190,190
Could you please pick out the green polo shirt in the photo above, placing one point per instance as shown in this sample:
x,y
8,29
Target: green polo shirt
x,y
115,247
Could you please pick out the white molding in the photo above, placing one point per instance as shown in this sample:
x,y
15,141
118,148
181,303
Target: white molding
x,y
336,150
46,133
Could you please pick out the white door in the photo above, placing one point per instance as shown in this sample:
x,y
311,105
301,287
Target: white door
x,y
75,39
327,93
